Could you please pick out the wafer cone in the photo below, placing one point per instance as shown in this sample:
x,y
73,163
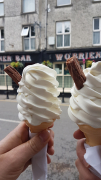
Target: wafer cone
x,y
41,127
93,135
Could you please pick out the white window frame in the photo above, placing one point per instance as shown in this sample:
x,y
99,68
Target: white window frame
x,y
64,33
66,89
27,11
2,2
25,31
64,4
98,30
96,0
30,37
3,39
4,87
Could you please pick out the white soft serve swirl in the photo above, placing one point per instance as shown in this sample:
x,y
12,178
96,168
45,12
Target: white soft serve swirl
x,y
85,104
37,95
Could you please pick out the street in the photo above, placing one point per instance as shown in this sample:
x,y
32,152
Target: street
x,y
62,166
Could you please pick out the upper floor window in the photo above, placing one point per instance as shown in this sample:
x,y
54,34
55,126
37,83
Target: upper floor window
x,y
63,30
97,31
1,40
28,6
28,34
1,7
63,2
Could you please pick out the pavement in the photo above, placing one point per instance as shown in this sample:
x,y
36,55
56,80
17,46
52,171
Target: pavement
x,y
13,98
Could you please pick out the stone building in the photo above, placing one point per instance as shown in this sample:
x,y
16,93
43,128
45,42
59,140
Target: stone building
x,y
32,31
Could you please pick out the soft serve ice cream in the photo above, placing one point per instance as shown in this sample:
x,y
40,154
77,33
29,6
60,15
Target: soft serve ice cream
x,y
37,95
85,104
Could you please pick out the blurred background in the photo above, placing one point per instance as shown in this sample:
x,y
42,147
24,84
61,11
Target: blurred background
x,y
48,32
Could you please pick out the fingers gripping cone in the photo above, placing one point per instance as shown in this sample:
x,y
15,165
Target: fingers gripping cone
x,y
93,136
41,127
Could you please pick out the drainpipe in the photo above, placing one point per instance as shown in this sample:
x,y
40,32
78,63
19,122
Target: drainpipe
x,y
46,22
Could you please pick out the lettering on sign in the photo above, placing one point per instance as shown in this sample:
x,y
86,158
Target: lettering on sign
x,y
17,58
5,59
23,58
98,55
67,56
59,57
80,55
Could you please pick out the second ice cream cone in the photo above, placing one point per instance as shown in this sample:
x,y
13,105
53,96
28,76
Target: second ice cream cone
x,y
39,128
93,135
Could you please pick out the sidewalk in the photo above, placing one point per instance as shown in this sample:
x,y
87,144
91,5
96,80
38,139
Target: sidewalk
x,y
4,97
13,97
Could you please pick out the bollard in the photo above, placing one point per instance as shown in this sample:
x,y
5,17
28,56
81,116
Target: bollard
x,y
7,93
63,96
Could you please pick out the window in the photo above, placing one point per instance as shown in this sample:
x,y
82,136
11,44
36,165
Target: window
x,y
63,2
4,78
63,77
28,34
63,30
1,7
97,31
28,6
1,40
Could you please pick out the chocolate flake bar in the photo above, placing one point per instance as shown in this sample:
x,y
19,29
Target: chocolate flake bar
x,y
76,72
13,73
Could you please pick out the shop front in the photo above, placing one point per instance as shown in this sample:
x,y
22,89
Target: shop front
x,y
58,58
7,58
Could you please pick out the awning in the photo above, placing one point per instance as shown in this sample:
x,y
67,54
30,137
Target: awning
x,y
24,31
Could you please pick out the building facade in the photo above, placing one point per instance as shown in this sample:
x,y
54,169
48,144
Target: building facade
x,y
32,31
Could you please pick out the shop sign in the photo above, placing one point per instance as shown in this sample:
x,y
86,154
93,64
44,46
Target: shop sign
x,y
23,58
79,56
5,58
16,58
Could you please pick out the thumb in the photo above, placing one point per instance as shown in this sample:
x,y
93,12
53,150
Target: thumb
x,y
27,150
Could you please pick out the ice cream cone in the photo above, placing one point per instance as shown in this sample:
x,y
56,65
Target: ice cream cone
x,y
93,135
41,127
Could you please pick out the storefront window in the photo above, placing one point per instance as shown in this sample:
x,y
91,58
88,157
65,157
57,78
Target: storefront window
x,y
58,68
65,70
1,68
68,82
59,79
4,78
63,76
